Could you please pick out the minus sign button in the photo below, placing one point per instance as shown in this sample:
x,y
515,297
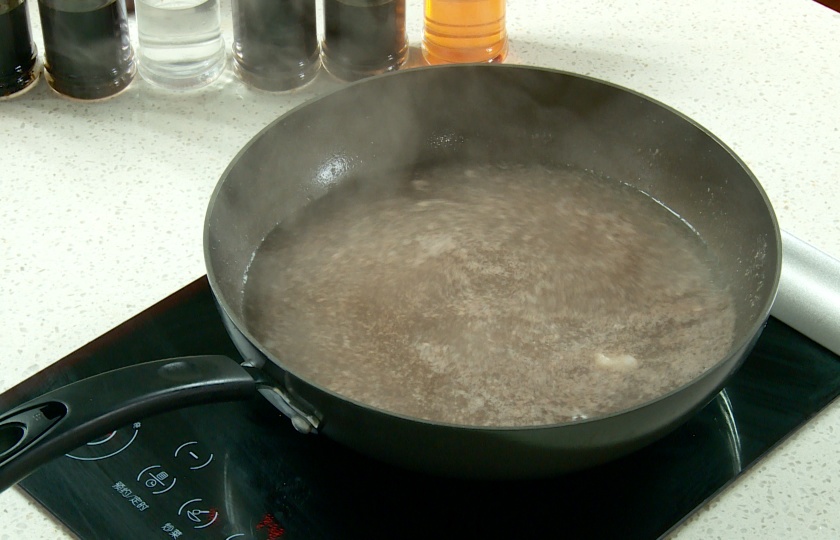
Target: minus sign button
x,y
194,455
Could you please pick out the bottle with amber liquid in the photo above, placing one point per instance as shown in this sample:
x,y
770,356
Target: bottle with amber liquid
x,y
464,31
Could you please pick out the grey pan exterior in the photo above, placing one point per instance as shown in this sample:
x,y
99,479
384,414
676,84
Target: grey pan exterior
x,y
475,114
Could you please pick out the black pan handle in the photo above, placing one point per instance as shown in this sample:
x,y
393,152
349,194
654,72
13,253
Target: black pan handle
x,y
64,419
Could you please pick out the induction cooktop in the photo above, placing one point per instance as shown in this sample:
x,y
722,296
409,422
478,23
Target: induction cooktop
x,y
240,470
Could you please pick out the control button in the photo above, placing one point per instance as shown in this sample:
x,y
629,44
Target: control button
x,y
155,478
194,454
198,513
106,446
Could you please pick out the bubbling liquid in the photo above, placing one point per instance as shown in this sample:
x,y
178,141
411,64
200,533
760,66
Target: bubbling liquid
x,y
491,296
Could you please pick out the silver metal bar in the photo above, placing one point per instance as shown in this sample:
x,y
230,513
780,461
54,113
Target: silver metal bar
x,y
809,292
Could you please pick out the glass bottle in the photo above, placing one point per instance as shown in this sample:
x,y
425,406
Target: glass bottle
x,y
180,43
87,49
275,43
18,55
459,31
363,37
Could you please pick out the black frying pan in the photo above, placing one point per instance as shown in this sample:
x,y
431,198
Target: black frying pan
x,y
457,114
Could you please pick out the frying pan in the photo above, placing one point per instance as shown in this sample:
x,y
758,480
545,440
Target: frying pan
x,y
461,115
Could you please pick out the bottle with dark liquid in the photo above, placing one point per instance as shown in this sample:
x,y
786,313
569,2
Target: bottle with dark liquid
x,y
87,47
458,31
363,37
18,57
275,43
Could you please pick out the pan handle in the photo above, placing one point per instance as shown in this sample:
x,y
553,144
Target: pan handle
x,y
68,417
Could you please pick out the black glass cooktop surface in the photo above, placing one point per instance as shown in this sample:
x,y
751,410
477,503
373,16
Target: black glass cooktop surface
x,y
239,470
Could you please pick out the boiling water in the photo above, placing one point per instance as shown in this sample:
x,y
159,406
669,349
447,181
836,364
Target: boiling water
x,y
491,296
181,42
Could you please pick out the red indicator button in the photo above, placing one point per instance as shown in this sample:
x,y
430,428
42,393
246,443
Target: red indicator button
x,y
269,523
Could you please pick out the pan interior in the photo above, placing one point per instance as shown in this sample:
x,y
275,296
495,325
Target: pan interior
x,y
490,295
470,116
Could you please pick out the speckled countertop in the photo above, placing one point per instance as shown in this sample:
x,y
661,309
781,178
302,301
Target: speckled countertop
x,y
102,204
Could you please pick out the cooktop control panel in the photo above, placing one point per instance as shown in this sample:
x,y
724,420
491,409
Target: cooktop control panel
x,y
173,476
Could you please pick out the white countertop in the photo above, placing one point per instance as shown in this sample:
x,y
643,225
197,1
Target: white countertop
x,y
102,204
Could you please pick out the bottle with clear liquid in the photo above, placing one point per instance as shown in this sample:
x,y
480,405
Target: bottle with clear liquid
x,y
464,31
180,42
